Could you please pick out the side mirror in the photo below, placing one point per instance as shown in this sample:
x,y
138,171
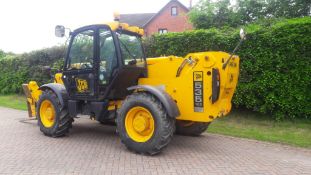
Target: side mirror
x,y
59,31
47,70
242,34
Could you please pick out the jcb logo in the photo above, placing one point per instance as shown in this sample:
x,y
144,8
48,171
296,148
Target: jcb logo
x,y
82,85
198,76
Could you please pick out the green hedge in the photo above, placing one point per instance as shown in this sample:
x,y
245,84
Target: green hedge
x,y
275,63
18,69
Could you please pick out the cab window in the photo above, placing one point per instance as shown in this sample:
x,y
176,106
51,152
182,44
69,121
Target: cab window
x,y
108,56
131,50
81,51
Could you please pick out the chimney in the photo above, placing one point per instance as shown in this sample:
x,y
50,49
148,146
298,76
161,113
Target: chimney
x,y
190,4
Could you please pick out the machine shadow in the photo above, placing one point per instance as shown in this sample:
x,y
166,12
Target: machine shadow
x,y
99,131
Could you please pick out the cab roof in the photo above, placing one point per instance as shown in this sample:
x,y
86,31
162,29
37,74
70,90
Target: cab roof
x,y
116,25
124,26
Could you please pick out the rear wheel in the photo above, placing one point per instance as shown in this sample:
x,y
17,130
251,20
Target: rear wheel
x,y
108,122
190,128
53,119
144,125
109,119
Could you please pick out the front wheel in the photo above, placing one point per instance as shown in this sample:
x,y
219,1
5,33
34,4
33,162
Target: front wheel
x,y
53,119
144,125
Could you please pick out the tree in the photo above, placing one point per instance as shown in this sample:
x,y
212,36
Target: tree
x,y
250,10
2,54
208,13
288,8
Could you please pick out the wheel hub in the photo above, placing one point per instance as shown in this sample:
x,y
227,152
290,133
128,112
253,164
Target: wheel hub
x,y
139,124
47,113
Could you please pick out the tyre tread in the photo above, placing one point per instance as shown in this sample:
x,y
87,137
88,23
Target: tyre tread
x,y
167,128
64,120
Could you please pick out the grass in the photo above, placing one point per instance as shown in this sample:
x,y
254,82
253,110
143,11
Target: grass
x,y
238,124
259,127
13,101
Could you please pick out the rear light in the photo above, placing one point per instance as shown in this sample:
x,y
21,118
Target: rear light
x,y
215,85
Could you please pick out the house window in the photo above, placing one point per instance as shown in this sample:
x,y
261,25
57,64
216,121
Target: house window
x,y
174,11
162,31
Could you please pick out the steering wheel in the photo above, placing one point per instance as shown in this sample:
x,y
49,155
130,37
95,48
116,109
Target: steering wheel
x,y
102,75
85,66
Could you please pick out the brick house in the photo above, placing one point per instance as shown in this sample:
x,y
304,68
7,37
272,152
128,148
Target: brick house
x,y
171,18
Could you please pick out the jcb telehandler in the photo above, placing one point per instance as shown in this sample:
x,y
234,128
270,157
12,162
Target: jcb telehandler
x,y
107,77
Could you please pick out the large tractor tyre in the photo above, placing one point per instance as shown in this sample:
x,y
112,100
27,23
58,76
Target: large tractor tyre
x,y
111,121
108,122
144,125
53,120
190,128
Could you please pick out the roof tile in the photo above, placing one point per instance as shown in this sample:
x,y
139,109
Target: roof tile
x,y
138,19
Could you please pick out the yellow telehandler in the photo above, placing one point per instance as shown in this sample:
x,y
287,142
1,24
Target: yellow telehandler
x,y
106,76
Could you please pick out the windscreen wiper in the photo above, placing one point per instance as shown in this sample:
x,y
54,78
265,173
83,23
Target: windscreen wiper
x,y
128,51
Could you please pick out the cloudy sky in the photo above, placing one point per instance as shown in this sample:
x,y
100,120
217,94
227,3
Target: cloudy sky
x,y
27,25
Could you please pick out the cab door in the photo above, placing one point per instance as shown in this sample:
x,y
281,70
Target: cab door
x,y
79,75
132,64
108,59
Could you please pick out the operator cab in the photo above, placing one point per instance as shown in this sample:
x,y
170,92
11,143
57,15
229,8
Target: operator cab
x,y
101,63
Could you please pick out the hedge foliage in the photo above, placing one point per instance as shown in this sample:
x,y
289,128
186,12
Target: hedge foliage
x,y
18,69
275,73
